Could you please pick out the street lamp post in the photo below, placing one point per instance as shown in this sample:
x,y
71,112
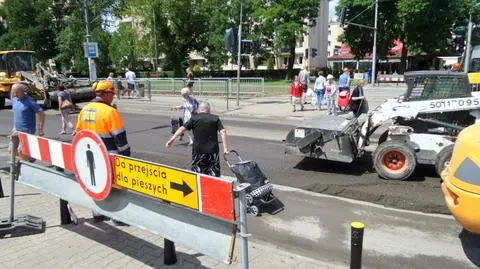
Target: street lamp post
x,y
374,50
87,39
239,62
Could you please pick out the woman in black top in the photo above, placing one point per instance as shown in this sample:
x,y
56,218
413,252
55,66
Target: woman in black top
x,y
357,101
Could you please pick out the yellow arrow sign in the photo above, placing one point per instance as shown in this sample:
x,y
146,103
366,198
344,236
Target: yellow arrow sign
x,y
166,183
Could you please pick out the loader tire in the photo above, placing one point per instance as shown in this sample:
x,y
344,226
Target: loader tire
x,y
443,157
394,160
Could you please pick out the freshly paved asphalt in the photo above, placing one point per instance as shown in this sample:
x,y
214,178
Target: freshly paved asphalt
x,y
147,136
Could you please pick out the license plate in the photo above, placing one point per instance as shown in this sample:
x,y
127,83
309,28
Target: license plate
x,y
300,133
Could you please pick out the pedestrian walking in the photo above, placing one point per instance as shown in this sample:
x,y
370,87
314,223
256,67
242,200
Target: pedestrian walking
x,y
101,118
131,80
320,89
303,77
358,101
65,106
331,94
119,87
188,108
296,90
189,80
344,80
205,150
25,108
110,77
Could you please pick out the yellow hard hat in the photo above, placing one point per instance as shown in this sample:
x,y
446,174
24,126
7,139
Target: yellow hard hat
x,y
103,86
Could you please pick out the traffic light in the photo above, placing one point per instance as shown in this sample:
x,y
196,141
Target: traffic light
x,y
231,43
247,47
459,44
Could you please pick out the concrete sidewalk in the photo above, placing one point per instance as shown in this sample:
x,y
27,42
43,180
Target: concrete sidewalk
x,y
268,108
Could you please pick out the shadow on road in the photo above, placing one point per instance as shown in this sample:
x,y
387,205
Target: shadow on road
x,y
128,244
149,129
274,208
471,246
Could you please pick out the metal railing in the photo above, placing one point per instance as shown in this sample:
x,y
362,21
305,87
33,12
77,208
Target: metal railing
x,y
146,87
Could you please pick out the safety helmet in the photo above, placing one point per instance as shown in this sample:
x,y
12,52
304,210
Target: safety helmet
x,y
457,66
103,86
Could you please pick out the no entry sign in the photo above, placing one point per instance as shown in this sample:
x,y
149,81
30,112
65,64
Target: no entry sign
x,y
91,165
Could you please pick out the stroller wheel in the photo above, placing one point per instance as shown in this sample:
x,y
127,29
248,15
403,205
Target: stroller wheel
x,y
253,210
248,199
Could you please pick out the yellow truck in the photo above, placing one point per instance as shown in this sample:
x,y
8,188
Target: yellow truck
x,y
12,64
18,65
461,179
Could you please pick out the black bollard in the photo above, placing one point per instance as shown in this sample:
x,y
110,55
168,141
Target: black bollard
x,y
1,190
169,254
357,245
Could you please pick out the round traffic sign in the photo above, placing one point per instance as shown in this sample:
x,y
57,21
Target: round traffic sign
x,y
92,165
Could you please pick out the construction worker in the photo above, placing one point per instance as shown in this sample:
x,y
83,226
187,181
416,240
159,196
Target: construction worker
x,y
103,119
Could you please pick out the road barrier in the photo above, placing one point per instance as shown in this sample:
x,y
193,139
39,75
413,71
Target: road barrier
x,y
356,245
195,210
391,78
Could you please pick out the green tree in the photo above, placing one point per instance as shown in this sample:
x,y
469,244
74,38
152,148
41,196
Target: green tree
x,y
424,26
181,26
286,21
29,26
70,40
123,46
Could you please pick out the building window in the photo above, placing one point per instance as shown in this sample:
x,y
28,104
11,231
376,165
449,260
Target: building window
x,y
329,43
300,60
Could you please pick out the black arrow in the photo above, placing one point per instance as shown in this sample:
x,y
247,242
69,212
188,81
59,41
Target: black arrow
x,y
181,187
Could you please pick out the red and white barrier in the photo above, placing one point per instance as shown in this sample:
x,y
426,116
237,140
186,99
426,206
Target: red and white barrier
x,y
215,196
46,150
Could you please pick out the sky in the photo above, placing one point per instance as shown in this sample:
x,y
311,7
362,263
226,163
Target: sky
x,y
331,12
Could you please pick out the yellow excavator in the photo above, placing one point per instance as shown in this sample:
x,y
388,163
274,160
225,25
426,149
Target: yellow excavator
x,y
18,65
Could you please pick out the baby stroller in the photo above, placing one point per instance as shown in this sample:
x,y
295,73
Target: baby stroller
x,y
343,100
259,192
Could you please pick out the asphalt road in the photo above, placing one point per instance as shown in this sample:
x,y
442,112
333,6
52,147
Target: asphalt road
x,y
147,136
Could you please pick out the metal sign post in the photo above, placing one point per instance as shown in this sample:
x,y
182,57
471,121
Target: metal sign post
x,y
23,224
240,189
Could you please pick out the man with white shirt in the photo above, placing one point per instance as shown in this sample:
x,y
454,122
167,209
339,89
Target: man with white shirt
x,y
131,80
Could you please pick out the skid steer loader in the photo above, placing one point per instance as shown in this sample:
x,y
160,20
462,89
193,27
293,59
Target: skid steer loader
x,y
423,125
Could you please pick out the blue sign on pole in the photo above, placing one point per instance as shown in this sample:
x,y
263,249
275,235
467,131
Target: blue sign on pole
x,y
90,50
